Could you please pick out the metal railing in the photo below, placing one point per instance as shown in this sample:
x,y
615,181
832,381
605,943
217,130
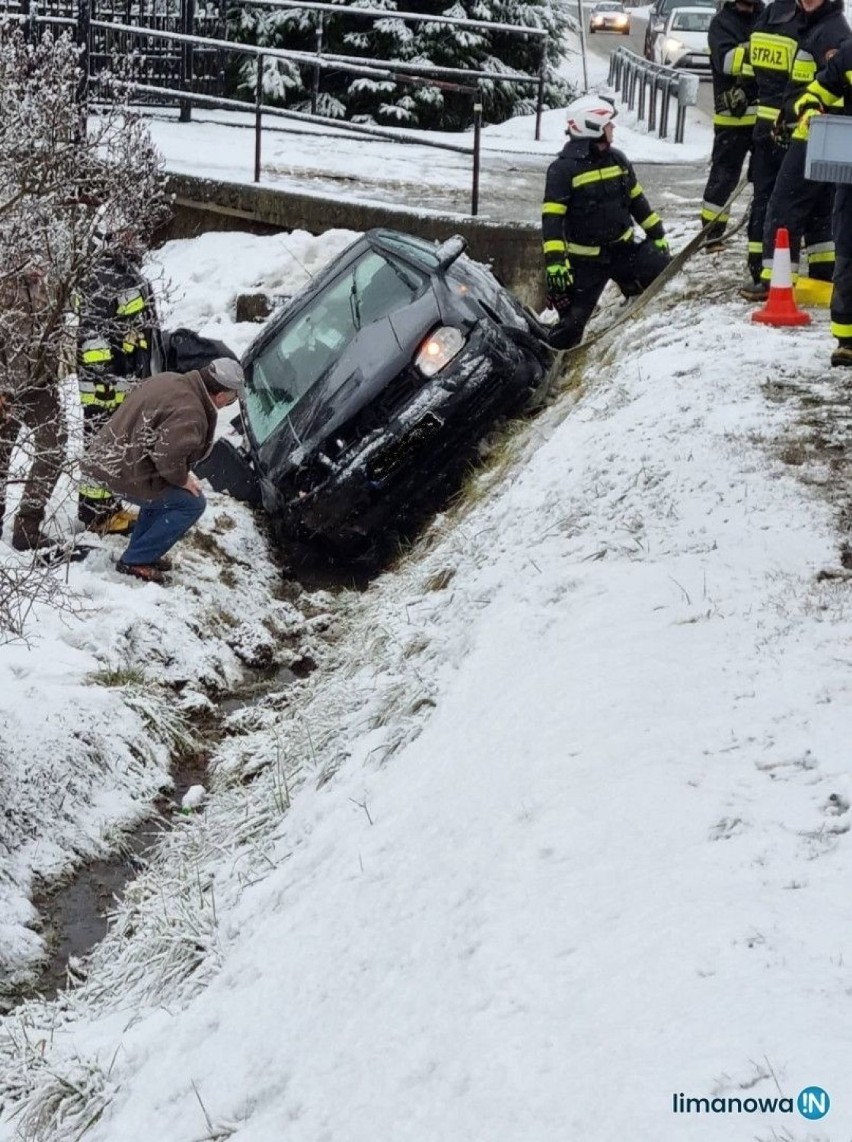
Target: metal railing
x,y
641,82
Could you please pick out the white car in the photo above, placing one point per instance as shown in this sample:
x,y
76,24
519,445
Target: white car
x,y
683,41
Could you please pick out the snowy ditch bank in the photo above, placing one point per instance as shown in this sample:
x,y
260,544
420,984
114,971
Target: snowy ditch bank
x,y
102,770
557,825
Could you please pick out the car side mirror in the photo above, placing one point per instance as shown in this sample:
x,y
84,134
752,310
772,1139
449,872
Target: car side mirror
x,y
449,251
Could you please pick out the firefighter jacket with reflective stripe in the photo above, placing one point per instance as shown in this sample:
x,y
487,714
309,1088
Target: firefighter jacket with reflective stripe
x,y
772,46
728,40
826,29
832,85
591,200
117,328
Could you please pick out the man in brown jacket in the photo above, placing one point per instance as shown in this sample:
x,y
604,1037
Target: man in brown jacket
x,y
146,450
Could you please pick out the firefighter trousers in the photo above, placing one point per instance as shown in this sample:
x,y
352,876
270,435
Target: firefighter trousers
x,y
804,209
841,295
631,265
732,146
766,163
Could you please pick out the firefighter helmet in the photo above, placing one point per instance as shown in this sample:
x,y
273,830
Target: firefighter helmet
x,y
588,115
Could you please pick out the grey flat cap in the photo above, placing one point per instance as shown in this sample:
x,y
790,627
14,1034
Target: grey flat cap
x,y
227,373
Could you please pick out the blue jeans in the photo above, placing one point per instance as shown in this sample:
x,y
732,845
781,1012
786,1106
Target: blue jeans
x,y
161,523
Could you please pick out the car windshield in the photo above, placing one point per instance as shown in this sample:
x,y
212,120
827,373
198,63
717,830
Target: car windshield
x,y
691,21
307,347
668,6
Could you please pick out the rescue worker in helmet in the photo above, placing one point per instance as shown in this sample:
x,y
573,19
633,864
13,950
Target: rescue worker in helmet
x,y
117,346
591,201
734,116
801,206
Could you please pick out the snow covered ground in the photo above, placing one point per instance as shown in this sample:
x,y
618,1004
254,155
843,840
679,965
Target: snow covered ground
x,y
557,830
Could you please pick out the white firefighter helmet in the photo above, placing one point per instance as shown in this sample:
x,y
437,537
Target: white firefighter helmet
x,y
588,115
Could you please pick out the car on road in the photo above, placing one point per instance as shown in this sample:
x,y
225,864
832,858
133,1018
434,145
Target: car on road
x,y
609,16
660,12
683,40
369,389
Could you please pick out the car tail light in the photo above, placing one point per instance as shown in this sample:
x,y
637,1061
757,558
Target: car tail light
x,y
438,350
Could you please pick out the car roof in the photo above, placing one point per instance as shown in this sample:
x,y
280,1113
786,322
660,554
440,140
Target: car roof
x,y
670,5
609,6
692,9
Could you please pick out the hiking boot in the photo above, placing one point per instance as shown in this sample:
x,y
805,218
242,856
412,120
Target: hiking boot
x,y
842,355
147,572
120,522
754,291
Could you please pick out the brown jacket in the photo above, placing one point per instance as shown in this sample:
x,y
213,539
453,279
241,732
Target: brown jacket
x,y
148,446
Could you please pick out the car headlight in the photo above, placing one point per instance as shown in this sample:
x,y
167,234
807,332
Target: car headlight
x,y
674,45
439,348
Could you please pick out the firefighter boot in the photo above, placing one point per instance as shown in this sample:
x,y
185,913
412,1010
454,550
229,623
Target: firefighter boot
x,y
842,355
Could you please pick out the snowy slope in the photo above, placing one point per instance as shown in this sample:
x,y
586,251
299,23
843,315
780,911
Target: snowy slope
x,y
558,829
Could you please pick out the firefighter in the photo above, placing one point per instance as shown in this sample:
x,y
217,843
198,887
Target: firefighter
x,y
734,117
832,90
117,346
801,206
772,46
591,201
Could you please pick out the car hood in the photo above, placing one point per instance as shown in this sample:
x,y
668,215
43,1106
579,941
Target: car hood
x,y
371,360
693,41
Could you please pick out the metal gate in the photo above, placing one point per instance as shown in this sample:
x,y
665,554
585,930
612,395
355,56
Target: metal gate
x,y
152,61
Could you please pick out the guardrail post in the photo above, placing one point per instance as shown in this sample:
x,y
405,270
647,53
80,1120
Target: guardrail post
x,y
477,140
652,110
664,110
258,112
187,19
640,111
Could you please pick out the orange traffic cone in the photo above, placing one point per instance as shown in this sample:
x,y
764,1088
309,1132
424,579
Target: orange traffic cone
x,y
781,308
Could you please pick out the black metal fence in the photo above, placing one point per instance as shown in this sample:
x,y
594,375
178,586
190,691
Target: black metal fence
x,y
178,51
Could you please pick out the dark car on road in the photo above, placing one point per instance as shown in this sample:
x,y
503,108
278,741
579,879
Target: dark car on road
x,y
609,16
370,386
660,12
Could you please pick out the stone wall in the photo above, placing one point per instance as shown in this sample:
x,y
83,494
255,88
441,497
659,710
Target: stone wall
x,y
512,249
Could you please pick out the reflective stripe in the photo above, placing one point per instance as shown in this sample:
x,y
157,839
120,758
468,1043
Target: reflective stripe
x,y
94,492
769,52
128,302
747,120
588,251
804,68
711,213
95,351
636,191
768,112
652,220
838,330
132,346
827,98
554,208
594,251
597,175
822,256
102,402
733,62
755,247
554,246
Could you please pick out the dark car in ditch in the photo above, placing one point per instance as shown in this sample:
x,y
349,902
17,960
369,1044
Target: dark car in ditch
x,y
368,390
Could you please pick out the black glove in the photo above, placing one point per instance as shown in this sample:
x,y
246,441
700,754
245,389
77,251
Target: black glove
x,y
733,102
781,132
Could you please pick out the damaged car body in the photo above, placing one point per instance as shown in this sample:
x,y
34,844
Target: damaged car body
x,y
366,390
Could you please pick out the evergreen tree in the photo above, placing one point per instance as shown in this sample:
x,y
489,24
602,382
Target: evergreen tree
x,y
389,40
